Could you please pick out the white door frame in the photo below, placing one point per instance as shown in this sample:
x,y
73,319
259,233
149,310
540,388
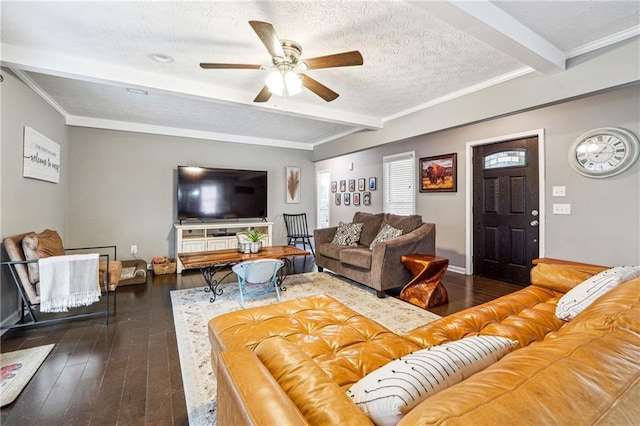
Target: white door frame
x,y
319,174
469,192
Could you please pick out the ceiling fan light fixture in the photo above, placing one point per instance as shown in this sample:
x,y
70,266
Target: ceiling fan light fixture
x,y
275,83
284,83
293,83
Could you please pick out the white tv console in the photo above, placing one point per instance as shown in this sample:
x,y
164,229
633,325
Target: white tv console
x,y
192,237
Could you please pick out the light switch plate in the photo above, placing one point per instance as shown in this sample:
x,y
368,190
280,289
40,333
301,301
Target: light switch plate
x,y
562,209
559,191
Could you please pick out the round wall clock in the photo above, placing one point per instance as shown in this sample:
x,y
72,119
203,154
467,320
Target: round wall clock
x,y
604,152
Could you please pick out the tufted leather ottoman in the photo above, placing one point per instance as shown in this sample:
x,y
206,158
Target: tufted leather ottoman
x,y
343,343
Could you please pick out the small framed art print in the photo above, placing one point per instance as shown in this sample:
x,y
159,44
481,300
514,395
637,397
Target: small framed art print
x,y
372,184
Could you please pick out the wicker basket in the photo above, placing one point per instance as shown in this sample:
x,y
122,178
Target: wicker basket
x,y
165,268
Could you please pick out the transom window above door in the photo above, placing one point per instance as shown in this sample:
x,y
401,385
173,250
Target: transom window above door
x,y
502,159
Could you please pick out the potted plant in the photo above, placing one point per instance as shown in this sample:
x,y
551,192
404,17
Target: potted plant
x,y
255,236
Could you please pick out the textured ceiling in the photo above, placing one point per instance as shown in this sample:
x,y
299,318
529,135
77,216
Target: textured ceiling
x,y
82,56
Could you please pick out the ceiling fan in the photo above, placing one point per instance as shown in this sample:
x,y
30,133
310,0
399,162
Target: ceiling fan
x,y
287,75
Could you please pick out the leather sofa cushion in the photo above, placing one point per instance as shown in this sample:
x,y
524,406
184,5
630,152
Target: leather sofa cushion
x,y
13,246
560,382
320,400
359,257
586,373
404,223
620,307
344,344
526,316
557,277
371,226
576,300
37,246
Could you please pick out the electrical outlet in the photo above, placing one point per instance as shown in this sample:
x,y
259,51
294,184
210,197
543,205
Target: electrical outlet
x,y
134,249
559,191
562,209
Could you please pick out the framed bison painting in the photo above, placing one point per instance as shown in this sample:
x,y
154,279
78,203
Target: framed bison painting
x,y
439,173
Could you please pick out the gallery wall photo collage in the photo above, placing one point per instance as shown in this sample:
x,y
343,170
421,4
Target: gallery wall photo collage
x,y
353,192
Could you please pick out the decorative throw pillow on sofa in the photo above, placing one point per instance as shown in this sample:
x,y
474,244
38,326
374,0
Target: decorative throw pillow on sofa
x,y
584,294
405,223
387,232
37,246
391,391
371,224
347,234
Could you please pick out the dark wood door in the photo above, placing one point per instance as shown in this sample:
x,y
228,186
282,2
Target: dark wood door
x,y
505,209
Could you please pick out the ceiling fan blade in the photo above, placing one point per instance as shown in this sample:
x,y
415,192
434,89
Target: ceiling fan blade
x,y
346,59
263,96
268,35
215,66
318,88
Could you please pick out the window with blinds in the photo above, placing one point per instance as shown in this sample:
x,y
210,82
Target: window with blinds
x,y
398,183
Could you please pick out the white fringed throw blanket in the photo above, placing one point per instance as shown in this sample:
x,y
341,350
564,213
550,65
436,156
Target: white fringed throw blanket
x,y
68,281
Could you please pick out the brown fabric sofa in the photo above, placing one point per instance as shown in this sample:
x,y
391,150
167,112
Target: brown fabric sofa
x,y
380,269
291,363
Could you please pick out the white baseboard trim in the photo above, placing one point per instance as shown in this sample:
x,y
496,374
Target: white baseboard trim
x,y
457,269
10,320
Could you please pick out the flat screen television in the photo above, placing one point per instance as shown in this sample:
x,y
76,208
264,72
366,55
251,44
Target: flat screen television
x,y
221,194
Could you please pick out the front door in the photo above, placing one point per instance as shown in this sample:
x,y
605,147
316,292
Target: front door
x,y
505,209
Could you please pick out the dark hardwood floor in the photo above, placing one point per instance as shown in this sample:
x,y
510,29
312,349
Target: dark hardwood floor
x,y
128,372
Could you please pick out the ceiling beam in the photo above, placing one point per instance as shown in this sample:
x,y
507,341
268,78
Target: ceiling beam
x,y
99,123
80,69
493,26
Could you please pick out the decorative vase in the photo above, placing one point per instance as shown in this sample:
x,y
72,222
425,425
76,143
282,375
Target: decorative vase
x,y
255,247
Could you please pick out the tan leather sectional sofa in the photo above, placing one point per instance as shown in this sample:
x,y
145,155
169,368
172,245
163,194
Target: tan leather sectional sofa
x,y
290,363
380,268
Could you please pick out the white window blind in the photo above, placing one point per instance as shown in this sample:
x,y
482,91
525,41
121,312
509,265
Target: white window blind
x,y
398,183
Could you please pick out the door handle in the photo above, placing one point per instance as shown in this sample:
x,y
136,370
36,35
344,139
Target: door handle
x,y
534,223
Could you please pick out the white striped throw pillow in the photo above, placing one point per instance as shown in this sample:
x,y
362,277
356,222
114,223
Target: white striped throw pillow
x,y
392,390
584,294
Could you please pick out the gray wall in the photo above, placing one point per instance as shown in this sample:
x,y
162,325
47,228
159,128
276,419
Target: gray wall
x,y
28,204
604,227
122,186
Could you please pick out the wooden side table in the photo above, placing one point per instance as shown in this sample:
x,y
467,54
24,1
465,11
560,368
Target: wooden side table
x,y
425,289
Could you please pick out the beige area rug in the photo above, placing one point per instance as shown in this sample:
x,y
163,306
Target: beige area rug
x,y
17,368
192,312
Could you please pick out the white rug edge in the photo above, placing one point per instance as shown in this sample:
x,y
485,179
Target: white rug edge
x,y
182,354
43,352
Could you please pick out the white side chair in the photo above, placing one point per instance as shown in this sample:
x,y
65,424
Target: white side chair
x,y
258,272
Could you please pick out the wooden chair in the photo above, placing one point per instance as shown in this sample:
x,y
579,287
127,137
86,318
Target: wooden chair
x,y
258,272
298,230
